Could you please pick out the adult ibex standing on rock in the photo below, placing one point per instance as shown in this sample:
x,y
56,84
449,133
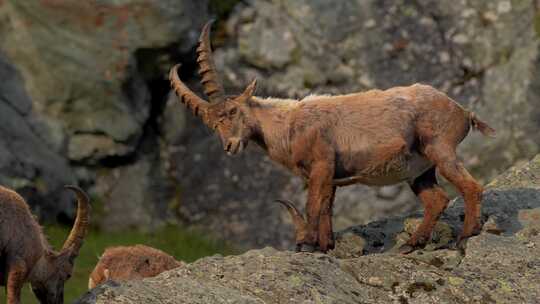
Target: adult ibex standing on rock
x,y
373,138
25,254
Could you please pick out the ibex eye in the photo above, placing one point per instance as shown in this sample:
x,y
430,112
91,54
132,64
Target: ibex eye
x,y
232,111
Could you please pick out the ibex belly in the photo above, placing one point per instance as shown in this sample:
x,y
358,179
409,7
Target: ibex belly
x,y
403,167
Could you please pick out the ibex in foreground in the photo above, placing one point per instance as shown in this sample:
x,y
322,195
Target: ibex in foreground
x,y
126,263
25,254
373,138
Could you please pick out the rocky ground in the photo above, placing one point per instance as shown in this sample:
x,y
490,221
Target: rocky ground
x,y
501,265
85,99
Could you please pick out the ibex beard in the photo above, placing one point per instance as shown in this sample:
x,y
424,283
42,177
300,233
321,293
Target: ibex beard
x,y
402,134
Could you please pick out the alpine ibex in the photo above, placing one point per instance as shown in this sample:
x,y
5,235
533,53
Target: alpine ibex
x,y
374,138
126,263
25,254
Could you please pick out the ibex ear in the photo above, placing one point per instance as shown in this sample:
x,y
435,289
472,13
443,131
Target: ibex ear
x,y
248,92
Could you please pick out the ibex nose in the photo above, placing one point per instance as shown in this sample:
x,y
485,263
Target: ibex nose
x,y
234,145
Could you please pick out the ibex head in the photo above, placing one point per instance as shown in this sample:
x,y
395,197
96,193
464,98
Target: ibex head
x,y
55,268
228,115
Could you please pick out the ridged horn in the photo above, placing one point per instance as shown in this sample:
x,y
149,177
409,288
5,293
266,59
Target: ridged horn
x,y
197,105
300,224
82,222
207,69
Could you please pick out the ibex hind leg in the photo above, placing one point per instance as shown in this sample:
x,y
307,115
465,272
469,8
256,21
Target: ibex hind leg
x,y
434,200
444,158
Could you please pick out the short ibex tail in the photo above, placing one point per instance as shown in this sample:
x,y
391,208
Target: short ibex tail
x,y
481,126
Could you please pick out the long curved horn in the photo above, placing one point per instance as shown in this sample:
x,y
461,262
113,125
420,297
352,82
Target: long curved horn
x,y
80,228
198,105
300,225
207,69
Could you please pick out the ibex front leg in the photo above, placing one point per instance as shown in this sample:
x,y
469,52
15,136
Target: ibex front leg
x,y
15,279
319,203
326,234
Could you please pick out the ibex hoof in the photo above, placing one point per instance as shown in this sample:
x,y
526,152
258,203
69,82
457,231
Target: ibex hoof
x,y
461,244
305,248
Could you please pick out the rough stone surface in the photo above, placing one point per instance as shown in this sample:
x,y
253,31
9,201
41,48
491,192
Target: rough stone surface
x,y
83,84
492,269
81,61
133,197
28,161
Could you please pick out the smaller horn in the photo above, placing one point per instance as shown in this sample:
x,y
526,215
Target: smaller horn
x,y
300,225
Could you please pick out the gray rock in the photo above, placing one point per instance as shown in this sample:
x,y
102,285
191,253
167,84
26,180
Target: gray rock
x,y
134,196
28,161
82,86
84,68
493,268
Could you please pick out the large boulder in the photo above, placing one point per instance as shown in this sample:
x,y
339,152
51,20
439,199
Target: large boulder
x,y
28,161
93,74
82,64
498,266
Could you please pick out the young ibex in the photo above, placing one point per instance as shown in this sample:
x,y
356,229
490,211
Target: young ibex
x,y
373,138
25,254
126,263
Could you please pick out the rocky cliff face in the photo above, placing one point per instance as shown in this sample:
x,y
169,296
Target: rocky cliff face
x,y
28,161
85,99
84,85
501,265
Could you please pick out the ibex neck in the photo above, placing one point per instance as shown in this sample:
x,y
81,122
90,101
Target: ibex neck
x,y
272,119
41,269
